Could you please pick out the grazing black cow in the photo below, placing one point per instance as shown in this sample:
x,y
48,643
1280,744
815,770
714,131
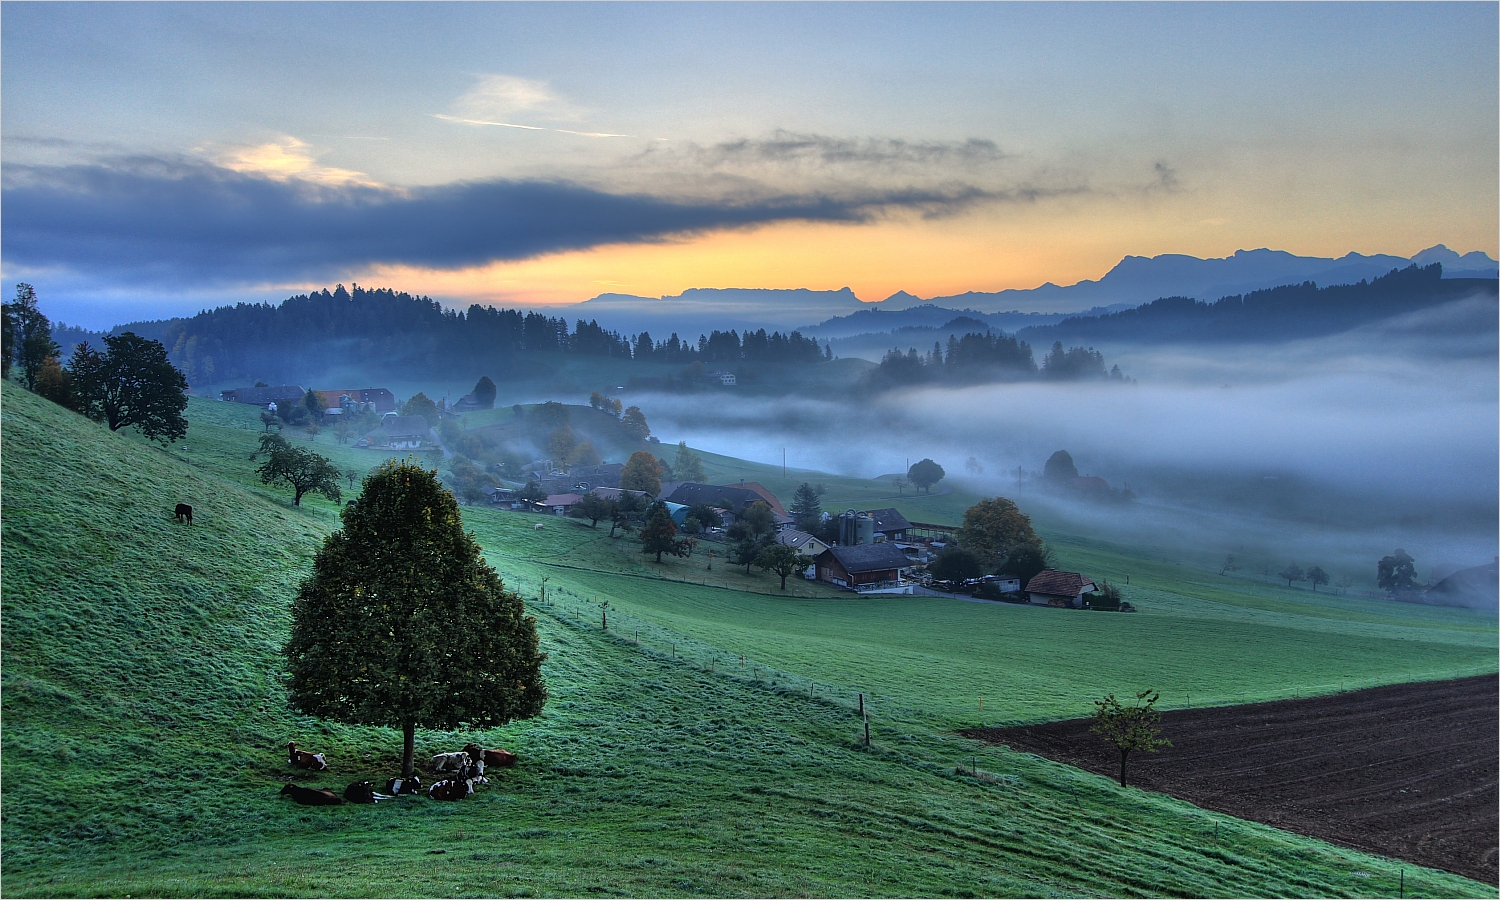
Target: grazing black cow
x,y
363,792
412,785
312,796
184,513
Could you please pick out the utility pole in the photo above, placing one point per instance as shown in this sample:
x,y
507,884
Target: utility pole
x,y
783,462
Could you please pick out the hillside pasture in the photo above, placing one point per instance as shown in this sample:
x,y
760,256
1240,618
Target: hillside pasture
x,y
145,726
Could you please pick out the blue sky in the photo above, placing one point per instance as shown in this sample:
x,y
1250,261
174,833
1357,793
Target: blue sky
x,y
162,157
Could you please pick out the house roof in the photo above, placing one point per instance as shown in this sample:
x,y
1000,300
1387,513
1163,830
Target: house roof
x,y
795,539
765,494
869,557
733,497
561,499
1058,584
887,520
405,426
609,493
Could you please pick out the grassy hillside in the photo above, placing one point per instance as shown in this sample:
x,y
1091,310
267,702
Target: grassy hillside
x,y
144,725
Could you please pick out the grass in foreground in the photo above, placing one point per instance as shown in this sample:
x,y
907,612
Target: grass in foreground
x,y
144,727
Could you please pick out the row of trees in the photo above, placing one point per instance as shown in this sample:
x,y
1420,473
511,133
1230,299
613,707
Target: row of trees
x,y
987,356
131,383
403,331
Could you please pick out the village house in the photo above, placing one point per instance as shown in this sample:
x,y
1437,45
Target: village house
x,y
399,433
1050,587
379,400
733,497
586,478
863,566
805,544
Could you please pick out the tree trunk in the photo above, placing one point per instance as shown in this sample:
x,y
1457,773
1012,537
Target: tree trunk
x,y
1123,753
783,582
409,749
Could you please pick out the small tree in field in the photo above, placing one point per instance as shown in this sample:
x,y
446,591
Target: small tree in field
x,y
402,623
303,470
659,534
1317,576
782,560
1129,727
592,507
1291,573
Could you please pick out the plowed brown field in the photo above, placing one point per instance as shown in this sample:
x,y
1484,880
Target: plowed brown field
x,y
1407,771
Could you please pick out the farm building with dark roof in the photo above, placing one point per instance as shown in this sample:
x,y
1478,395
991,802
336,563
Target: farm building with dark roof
x,y
862,565
1050,587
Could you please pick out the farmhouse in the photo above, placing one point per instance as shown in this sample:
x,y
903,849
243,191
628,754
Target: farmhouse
x,y
890,523
866,565
586,478
357,400
1050,587
400,433
802,542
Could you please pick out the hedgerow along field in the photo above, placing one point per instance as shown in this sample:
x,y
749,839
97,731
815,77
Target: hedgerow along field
x,y
145,727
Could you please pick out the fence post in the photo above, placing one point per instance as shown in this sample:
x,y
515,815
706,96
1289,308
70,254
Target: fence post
x,y
861,706
867,731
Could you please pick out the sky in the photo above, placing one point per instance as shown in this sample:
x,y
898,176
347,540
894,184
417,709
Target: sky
x,y
162,158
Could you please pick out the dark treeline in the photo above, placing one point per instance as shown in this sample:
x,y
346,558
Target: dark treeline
x,y
394,331
1282,313
984,357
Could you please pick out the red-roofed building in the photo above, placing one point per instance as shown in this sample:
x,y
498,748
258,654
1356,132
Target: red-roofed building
x,y
1050,587
561,503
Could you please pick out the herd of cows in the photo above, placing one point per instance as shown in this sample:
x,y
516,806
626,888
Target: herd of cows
x,y
465,768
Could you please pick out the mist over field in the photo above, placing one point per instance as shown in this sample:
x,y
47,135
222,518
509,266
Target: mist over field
x,y
1330,452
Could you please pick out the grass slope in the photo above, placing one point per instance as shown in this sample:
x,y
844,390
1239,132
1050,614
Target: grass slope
x,y
143,727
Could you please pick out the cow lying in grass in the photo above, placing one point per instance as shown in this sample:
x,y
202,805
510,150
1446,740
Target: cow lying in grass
x,y
311,796
451,762
451,789
364,792
412,785
490,757
313,762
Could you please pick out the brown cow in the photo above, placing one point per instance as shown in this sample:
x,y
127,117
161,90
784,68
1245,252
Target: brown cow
x,y
312,796
313,762
184,513
503,758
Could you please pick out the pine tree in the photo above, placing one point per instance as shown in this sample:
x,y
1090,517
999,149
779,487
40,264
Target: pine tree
x,y
403,624
806,509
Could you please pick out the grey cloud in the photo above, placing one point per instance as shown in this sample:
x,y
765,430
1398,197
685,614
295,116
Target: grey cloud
x,y
180,221
787,146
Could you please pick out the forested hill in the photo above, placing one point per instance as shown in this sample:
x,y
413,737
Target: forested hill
x,y
398,333
1282,313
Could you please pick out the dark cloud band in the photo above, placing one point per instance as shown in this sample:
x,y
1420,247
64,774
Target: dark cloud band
x,y
170,221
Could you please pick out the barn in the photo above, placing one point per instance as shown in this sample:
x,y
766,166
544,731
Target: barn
x,y
865,565
1050,587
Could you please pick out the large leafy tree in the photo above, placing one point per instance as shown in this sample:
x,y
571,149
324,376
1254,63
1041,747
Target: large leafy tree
x,y
641,473
130,383
302,469
1396,573
484,393
1317,576
806,509
925,474
634,424
1026,560
688,466
30,334
626,511
956,564
1129,728
1060,467
992,528
403,624
422,405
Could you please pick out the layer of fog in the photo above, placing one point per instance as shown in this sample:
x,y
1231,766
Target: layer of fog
x,y
1328,452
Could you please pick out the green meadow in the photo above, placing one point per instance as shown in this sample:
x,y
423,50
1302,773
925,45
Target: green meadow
x,y
145,725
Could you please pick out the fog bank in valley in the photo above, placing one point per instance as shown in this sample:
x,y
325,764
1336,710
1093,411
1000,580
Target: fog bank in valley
x,y
1330,452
